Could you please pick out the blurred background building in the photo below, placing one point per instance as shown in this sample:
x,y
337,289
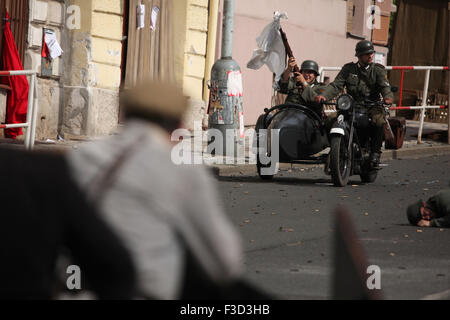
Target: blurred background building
x,y
420,37
104,50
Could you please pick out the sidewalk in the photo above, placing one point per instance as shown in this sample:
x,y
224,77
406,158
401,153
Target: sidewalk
x,y
409,150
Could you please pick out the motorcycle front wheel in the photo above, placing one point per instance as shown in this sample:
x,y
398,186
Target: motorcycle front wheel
x,y
340,161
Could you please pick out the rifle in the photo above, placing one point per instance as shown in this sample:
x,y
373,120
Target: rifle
x,y
289,52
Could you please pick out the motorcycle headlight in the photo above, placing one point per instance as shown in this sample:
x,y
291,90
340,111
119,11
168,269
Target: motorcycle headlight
x,y
344,102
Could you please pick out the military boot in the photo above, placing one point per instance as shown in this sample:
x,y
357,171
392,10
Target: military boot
x,y
375,158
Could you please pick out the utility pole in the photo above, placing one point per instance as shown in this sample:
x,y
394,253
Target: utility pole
x,y
226,104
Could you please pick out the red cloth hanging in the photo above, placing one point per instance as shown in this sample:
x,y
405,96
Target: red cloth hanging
x,y
45,51
17,104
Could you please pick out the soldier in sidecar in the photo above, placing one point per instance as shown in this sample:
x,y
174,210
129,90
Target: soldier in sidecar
x,y
302,87
301,121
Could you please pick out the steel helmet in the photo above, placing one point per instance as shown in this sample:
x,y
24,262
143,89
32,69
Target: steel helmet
x,y
364,47
310,65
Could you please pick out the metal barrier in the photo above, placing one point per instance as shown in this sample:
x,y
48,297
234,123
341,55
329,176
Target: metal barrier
x,y
30,125
424,106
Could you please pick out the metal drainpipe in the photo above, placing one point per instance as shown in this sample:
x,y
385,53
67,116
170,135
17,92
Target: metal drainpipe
x,y
225,106
228,26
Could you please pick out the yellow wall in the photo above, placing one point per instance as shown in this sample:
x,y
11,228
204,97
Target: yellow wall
x,y
85,10
211,45
179,32
103,19
102,26
195,47
107,32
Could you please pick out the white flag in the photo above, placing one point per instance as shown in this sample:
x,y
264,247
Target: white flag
x,y
271,50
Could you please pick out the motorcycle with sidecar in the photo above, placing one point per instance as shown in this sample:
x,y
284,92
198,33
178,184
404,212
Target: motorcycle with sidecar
x,y
303,137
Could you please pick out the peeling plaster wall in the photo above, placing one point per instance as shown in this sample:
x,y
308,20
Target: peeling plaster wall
x,y
46,14
76,79
92,79
195,50
81,96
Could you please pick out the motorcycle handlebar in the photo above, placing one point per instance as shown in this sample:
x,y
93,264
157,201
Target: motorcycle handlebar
x,y
367,103
376,103
328,103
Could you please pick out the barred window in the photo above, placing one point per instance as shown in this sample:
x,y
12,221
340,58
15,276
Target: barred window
x,y
18,12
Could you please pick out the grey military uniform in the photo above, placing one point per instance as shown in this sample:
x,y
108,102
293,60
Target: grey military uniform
x,y
303,96
361,82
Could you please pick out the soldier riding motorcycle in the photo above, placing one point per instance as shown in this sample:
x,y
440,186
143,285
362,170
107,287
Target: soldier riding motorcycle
x,y
365,81
351,141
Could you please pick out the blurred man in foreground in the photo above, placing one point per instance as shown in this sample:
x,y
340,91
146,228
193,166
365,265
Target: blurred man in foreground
x,y
168,215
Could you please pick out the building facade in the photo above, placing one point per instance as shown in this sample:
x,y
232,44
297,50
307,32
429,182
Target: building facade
x,y
105,50
322,30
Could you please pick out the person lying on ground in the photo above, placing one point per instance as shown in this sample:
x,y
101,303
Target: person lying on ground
x,y
432,213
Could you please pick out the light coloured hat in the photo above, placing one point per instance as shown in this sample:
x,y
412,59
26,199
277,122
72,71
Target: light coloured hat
x,y
156,97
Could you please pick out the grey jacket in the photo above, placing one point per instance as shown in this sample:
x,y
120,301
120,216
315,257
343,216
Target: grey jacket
x,y
159,208
440,204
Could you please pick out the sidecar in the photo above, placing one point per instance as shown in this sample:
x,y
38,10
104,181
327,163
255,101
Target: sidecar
x,y
302,135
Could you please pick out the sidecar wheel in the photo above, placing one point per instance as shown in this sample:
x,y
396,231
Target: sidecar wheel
x,y
340,161
260,166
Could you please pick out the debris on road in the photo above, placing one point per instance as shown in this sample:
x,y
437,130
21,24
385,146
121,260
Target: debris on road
x,y
295,244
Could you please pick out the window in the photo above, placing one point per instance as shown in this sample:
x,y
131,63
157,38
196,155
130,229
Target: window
x,y
350,15
356,13
361,14
380,36
149,53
